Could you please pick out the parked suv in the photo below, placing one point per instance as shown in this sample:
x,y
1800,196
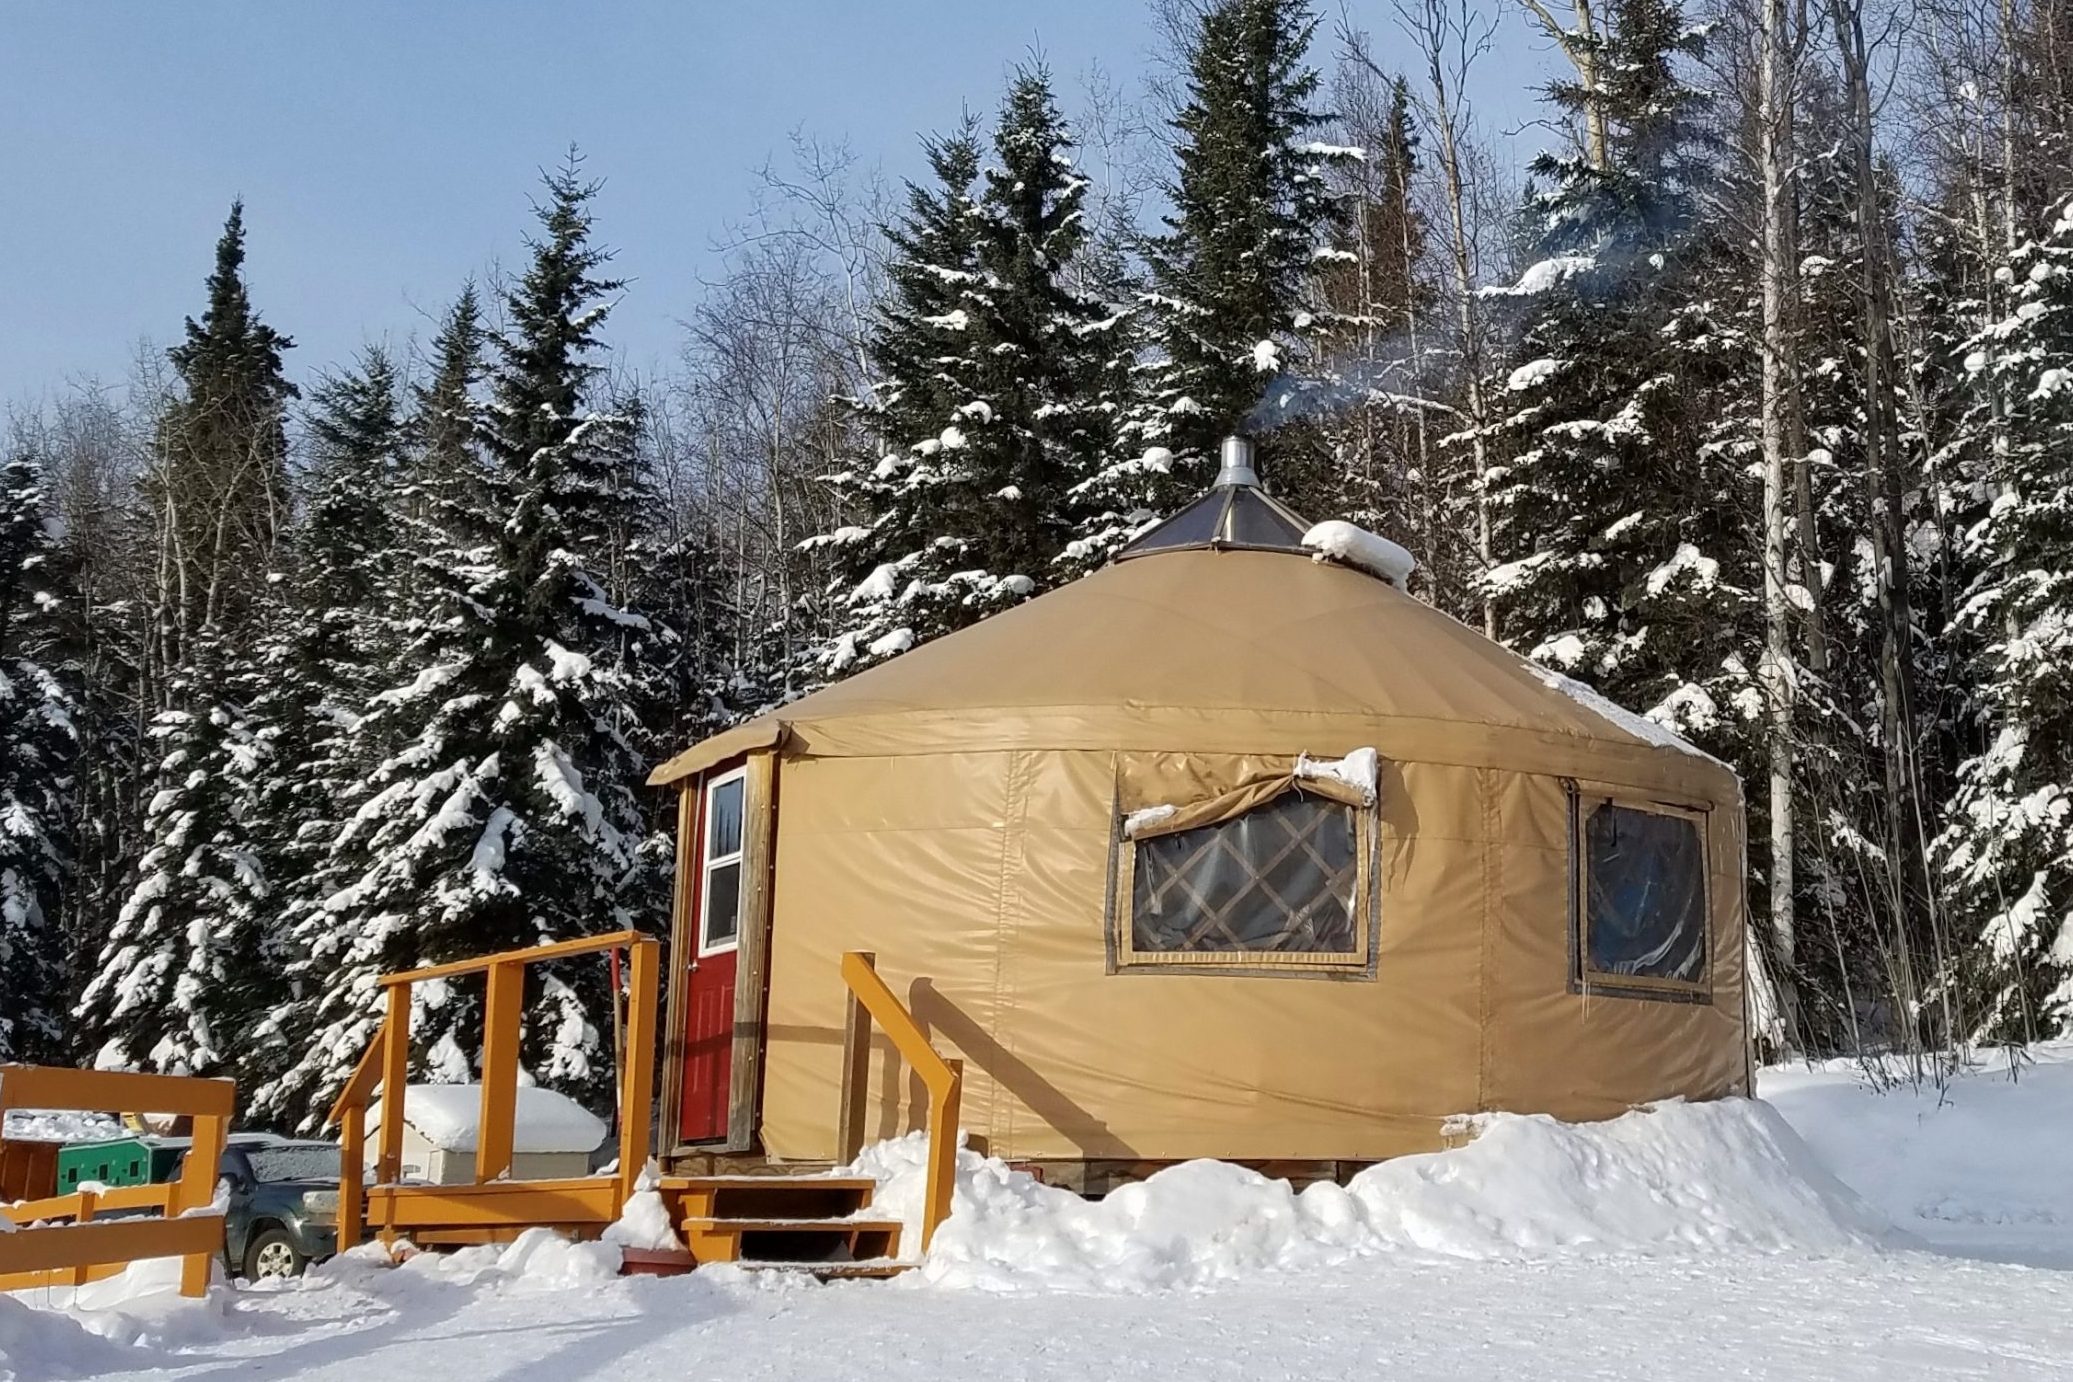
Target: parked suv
x,y
283,1208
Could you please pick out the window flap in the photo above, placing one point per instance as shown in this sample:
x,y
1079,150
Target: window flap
x,y
1150,822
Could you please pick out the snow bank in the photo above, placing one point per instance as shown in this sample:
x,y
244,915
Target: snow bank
x,y
47,1344
1976,1166
1340,541
1672,1177
445,1115
66,1332
537,1262
644,1221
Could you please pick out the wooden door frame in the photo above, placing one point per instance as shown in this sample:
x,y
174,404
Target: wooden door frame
x,y
752,951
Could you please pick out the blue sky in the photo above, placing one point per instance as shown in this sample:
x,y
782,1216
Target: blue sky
x,y
386,149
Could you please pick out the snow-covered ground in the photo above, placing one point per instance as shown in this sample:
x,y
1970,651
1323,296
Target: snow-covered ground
x,y
1880,1235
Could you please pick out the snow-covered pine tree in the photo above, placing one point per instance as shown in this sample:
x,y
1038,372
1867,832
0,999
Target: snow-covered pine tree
x,y
37,743
330,650
2005,851
1002,391
1624,557
1233,279
219,484
337,944
505,812
183,976
182,973
920,346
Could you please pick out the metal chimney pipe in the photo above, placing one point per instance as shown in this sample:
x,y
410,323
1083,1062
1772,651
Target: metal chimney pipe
x,y
1237,464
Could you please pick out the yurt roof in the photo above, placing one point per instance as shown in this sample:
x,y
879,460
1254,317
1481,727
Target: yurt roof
x,y
1214,649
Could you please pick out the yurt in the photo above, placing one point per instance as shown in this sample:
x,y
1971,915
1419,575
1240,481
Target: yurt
x,y
1230,849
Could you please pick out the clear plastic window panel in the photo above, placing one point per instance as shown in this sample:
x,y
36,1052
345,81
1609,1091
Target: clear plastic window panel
x,y
1645,895
1254,523
1280,879
722,919
723,834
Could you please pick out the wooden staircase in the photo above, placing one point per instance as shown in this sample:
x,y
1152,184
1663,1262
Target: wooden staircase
x,y
812,1225
809,1225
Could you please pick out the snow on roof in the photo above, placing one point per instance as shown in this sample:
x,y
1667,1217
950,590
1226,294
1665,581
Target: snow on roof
x,y
43,1125
1340,541
1640,726
446,1115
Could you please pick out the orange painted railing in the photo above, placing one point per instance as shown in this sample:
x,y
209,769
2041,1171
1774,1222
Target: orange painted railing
x,y
870,999
385,1070
87,1249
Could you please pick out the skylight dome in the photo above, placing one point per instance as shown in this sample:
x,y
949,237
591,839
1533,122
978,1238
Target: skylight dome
x,y
1236,514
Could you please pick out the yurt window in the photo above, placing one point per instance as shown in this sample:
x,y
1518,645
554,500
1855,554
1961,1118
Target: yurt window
x,y
720,901
1642,899
1277,885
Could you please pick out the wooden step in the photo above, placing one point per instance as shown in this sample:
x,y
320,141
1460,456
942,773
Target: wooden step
x,y
767,1197
786,1238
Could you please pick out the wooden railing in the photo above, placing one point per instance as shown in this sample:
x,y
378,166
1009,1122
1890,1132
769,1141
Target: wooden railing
x,y
870,999
87,1249
385,1069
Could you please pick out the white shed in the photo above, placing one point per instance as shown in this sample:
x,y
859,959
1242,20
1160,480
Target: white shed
x,y
553,1135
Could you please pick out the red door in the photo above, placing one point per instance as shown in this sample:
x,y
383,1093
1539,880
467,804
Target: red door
x,y
716,893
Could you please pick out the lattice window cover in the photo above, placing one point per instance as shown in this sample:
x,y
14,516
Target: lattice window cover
x,y
1644,904
1283,879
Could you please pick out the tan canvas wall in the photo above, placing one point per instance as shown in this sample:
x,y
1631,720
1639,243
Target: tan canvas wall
x,y
980,881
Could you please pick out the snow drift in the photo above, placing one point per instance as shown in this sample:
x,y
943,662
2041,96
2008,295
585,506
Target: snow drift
x,y
1729,1175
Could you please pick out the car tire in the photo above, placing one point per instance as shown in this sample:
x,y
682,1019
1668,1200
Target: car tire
x,y
273,1256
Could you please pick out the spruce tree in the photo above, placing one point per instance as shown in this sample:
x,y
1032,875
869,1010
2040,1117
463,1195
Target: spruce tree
x,y
505,811
331,649
336,946
1624,557
2005,851
220,484
184,974
895,548
1233,280
37,743
1004,388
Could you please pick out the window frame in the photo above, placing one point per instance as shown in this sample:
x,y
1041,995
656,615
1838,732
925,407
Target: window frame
x,y
708,864
1587,982
1357,964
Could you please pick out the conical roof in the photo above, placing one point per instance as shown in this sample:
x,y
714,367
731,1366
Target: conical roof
x,y
1213,650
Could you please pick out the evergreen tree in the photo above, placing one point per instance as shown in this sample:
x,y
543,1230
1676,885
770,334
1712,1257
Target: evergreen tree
x,y
336,947
927,395
506,811
329,653
1625,555
1002,390
182,977
2005,852
37,743
220,487
1233,279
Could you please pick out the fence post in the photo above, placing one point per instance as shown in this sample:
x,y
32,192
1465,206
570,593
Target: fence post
x,y
637,1087
395,1078
496,1125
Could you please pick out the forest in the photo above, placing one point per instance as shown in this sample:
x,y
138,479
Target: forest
x,y
1747,406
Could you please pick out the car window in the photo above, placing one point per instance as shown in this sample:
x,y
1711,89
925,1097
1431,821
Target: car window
x,y
310,1161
